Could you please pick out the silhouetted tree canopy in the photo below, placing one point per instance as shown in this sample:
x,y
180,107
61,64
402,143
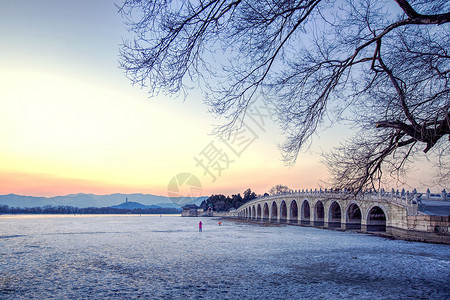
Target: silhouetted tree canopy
x,y
382,66
249,195
225,203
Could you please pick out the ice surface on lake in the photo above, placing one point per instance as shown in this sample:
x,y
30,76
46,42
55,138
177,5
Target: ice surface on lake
x,y
166,257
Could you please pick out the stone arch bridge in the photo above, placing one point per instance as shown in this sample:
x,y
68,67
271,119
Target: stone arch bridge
x,y
338,210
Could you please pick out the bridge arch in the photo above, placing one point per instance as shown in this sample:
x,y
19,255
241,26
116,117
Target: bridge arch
x,y
283,211
258,212
353,217
334,215
293,212
319,214
265,211
305,215
254,212
376,218
274,212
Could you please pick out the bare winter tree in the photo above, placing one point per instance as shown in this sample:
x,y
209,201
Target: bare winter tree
x,y
383,65
279,189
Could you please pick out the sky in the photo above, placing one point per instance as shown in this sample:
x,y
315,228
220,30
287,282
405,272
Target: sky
x,y
71,122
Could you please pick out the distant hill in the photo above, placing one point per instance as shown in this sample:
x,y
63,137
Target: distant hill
x,y
90,200
134,205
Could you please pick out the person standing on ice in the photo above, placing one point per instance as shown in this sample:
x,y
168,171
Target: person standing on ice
x,y
200,226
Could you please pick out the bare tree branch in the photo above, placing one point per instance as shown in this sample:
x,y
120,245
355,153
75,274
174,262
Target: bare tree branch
x,y
385,71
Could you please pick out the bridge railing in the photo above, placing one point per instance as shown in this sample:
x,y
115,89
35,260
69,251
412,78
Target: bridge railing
x,y
401,197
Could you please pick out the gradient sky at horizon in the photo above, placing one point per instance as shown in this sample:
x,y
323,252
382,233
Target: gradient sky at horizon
x,y
71,122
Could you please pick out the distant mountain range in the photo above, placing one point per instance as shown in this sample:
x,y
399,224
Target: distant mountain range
x,y
134,205
91,200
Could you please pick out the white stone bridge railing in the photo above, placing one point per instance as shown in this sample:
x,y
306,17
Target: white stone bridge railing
x,y
400,197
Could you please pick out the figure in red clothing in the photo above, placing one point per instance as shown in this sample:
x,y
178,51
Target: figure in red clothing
x,y
200,226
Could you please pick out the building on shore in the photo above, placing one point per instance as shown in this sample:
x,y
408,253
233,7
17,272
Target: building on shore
x,y
190,210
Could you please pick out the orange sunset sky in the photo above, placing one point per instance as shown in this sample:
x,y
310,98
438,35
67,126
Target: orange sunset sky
x,y
71,122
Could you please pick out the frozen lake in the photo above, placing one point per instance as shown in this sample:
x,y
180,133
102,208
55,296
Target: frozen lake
x,y
166,257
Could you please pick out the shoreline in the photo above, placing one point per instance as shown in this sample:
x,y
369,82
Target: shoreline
x,y
10,216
